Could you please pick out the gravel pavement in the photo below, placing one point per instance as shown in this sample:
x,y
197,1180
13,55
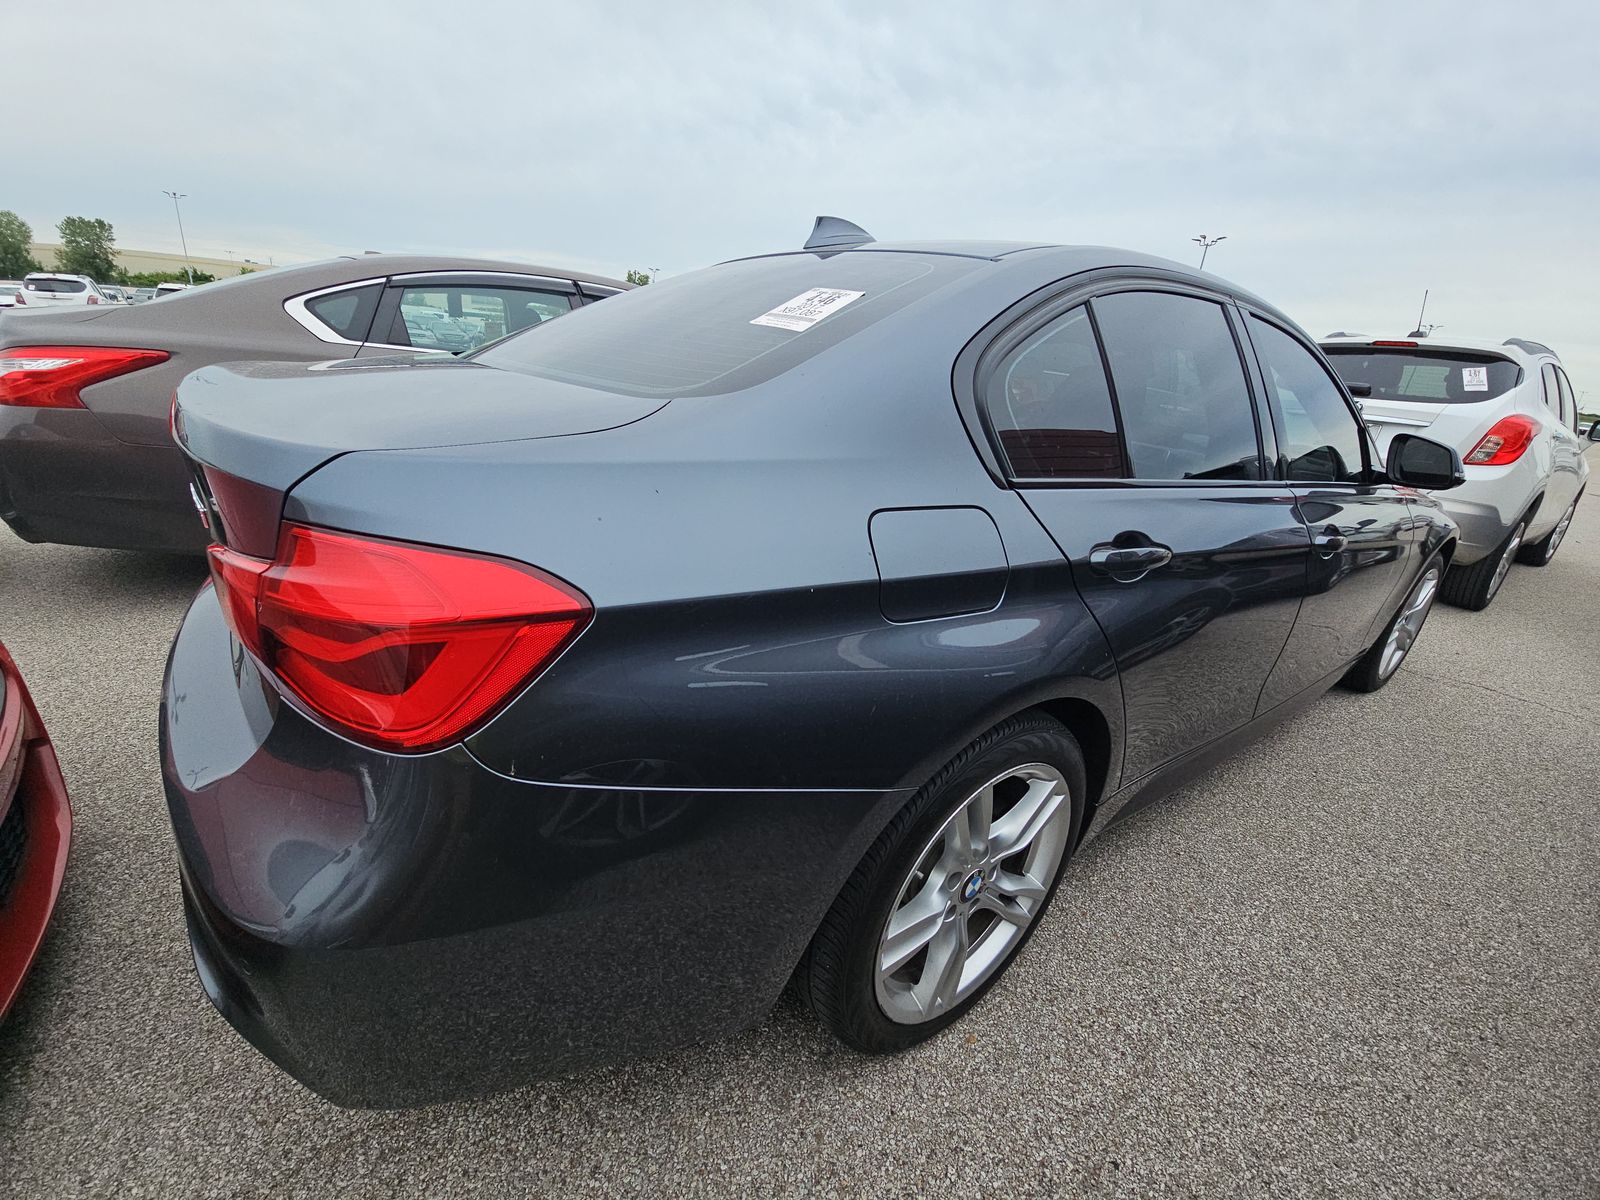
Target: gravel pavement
x,y
1360,959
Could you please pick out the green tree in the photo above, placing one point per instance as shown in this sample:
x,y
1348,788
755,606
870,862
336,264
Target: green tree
x,y
640,277
88,247
15,234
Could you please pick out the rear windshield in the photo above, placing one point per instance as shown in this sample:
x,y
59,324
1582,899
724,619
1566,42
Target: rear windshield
x,y
1425,376
64,286
725,328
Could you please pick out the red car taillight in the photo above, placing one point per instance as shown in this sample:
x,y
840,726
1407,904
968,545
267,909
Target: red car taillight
x,y
51,376
400,646
1504,443
20,299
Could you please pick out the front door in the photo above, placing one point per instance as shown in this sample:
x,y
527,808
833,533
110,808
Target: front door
x,y
1364,540
1154,485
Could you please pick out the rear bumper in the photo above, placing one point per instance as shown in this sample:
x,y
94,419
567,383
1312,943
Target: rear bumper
x,y
35,832
64,478
397,930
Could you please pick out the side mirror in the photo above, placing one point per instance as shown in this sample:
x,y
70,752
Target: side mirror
x,y
1594,432
1421,462
1361,391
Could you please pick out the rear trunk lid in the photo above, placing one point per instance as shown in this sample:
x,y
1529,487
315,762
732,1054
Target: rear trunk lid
x,y
1385,418
254,430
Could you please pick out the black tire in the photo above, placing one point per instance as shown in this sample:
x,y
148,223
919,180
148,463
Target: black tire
x,y
1539,554
1475,586
838,976
1368,674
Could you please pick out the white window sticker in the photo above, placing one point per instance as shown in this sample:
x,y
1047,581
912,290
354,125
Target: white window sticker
x,y
1475,379
806,309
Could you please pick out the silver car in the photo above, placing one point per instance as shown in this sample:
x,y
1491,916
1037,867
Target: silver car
x,y
1508,407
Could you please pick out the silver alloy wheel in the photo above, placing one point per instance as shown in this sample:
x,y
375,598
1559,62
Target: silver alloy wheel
x,y
1560,531
972,893
1504,565
1405,629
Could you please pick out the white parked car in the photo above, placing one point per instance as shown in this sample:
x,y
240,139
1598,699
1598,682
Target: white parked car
x,y
166,289
1510,410
44,289
8,291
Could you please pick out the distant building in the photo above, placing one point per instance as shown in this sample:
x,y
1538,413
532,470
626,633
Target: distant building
x,y
137,261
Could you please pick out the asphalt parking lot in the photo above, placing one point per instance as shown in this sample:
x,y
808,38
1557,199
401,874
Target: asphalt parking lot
x,y
1362,958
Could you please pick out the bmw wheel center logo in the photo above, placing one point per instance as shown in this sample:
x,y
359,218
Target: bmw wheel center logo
x,y
973,885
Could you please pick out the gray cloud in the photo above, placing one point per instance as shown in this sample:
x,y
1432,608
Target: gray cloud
x,y
1353,154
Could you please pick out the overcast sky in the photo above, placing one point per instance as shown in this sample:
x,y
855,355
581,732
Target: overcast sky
x,y
1352,158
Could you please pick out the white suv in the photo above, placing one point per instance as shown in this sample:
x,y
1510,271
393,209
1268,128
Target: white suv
x,y
45,290
1509,409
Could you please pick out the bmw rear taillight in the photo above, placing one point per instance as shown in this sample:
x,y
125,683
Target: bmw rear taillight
x,y
1504,443
93,299
52,376
21,300
400,646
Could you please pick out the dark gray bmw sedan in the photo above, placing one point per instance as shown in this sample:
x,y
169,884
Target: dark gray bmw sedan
x,y
801,615
86,453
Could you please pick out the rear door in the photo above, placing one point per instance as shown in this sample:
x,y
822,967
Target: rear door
x,y
1567,468
1363,537
1128,423
455,312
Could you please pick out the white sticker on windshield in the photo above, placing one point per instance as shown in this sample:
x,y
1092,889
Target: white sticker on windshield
x,y
806,309
1475,379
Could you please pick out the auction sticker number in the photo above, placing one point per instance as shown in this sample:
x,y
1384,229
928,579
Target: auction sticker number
x,y
806,309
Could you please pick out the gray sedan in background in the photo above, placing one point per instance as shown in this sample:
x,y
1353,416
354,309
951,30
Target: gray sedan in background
x,y
86,455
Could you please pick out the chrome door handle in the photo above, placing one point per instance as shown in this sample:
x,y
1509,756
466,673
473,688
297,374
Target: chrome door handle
x,y
1329,542
1134,561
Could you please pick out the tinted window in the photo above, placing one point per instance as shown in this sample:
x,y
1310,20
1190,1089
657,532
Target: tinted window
x,y
1323,440
1181,390
1049,405
458,319
1569,406
719,330
1550,390
347,313
62,287
1425,376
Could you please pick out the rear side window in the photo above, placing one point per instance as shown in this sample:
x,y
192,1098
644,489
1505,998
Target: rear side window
x,y
347,313
1551,390
1180,387
60,287
1322,440
1050,408
458,319
1424,376
728,327
1569,406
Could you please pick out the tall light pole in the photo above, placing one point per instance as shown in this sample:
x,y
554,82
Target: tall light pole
x,y
654,271
1205,243
187,265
